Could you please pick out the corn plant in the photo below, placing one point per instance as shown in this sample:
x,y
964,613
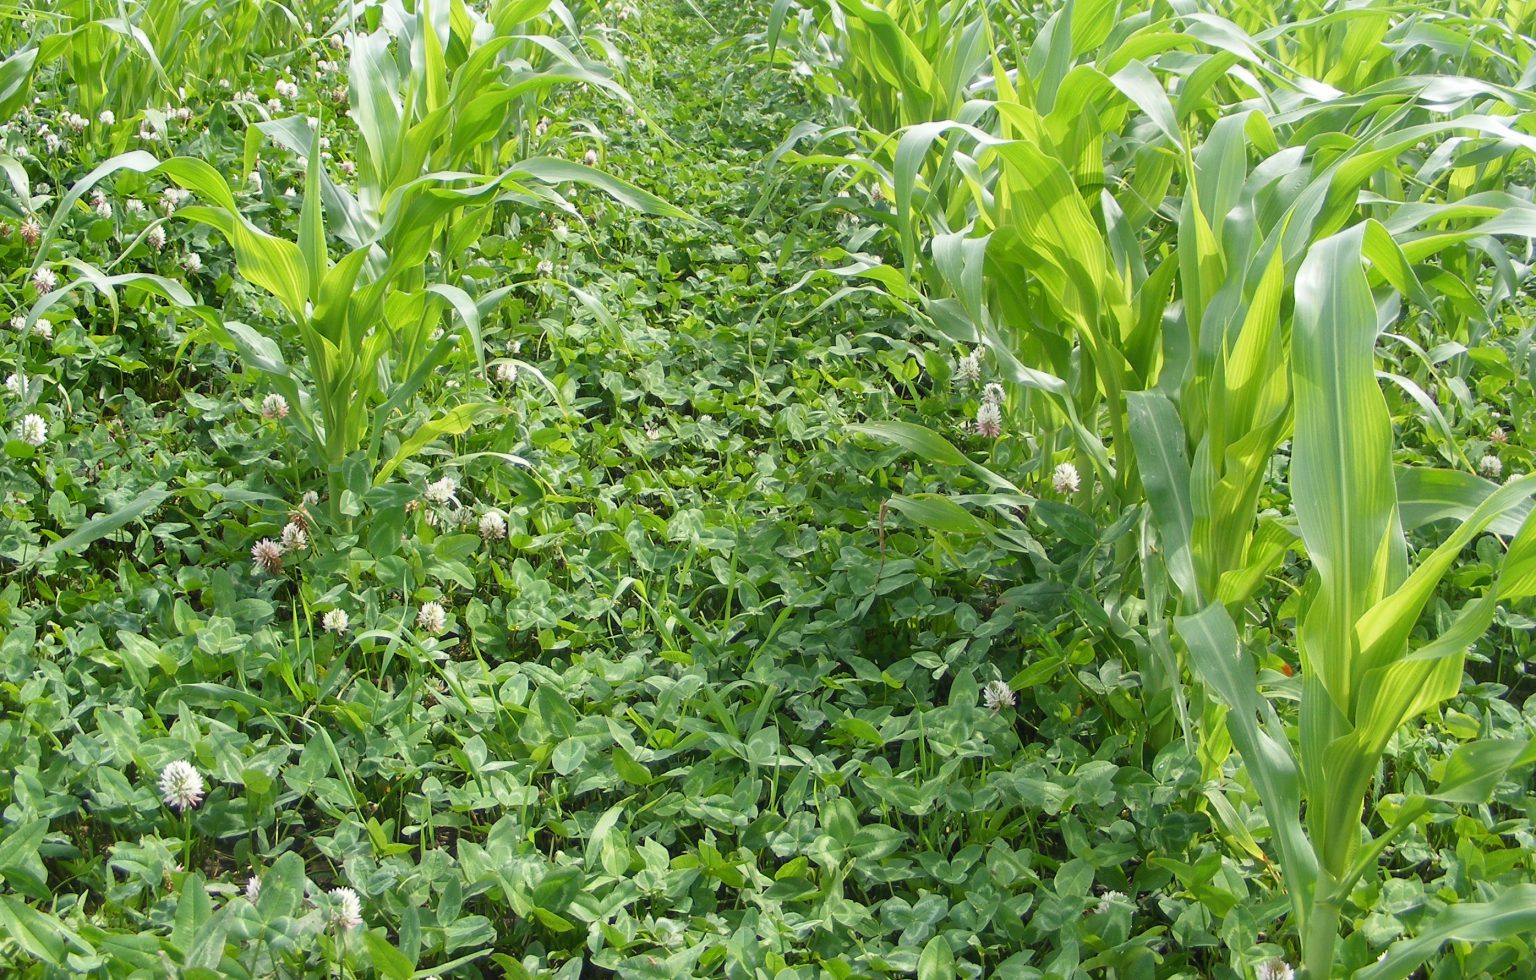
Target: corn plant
x,y
140,46
431,95
370,334
364,323
1364,674
899,62
1048,233
1235,408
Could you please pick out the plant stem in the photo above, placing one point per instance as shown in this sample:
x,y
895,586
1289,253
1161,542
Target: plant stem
x,y
1322,934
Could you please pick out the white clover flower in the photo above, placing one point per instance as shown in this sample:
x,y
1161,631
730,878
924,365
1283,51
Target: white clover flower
x,y
52,143
1275,969
590,159
997,695
348,167
545,267
335,621
1107,901
107,117
32,430
253,889
31,231
1490,466
542,127
253,181
506,372
433,617
42,187
310,498
993,393
184,114
135,207
156,238
346,909
267,556
74,121
16,384
294,538
274,406
989,420
968,367
181,786
103,209
493,527
43,328
1498,436
276,105
18,323
1065,479
45,280
442,492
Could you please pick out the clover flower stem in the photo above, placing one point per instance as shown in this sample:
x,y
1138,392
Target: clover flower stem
x,y
186,837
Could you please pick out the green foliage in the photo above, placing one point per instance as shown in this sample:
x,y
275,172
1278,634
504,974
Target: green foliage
x,y
850,488
1200,268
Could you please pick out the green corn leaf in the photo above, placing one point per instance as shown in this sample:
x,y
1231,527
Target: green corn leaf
x,y
555,170
108,285
1139,85
1427,494
1341,469
15,80
1260,740
451,423
932,447
1511,913
915,438
312,222
373,81
938,513
102,525
1158,436
1476,768
274,264
136,161
342,210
